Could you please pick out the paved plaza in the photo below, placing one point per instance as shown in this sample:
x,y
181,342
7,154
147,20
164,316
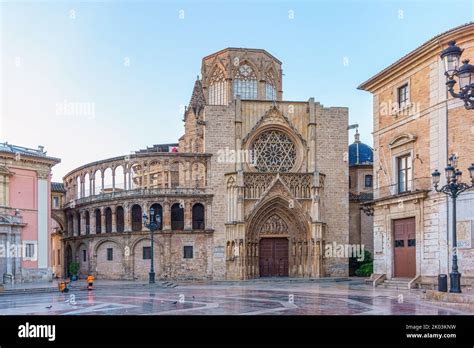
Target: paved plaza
x,y
256,297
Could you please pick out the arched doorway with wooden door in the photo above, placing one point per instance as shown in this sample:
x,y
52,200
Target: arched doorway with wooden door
x,y
277,240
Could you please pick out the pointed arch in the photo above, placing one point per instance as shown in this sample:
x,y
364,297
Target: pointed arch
x,y
245,81
270,84
296,222
217,87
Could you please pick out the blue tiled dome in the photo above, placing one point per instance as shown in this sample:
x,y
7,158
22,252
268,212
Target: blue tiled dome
x,y
360,153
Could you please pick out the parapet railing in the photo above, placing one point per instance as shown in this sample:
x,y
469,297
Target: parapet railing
x,y
176,191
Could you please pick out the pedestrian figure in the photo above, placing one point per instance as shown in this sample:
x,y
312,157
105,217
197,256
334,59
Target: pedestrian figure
x,y
90,282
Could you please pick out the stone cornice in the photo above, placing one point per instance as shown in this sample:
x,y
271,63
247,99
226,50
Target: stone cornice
x,y
427,51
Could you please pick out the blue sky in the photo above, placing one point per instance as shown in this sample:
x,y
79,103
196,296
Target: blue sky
x,y
136,62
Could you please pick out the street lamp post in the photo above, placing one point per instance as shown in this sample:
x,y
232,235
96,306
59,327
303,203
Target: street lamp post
x,y
453,188
155,221
465,74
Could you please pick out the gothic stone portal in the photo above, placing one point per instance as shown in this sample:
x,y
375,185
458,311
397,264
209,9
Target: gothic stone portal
x,y
279,242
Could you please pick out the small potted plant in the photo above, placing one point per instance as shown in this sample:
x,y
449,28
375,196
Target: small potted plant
x,y
74,270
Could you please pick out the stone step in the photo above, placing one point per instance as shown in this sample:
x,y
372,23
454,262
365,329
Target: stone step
x,y
395,283
393,287
84,288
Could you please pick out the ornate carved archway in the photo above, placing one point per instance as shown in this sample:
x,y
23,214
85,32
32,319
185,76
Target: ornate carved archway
x,y
279,217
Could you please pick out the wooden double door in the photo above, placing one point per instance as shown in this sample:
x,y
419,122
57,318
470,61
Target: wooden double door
x,y
404,237
273,257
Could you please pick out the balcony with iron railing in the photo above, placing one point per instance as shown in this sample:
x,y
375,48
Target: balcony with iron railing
x,y
145,192
402,189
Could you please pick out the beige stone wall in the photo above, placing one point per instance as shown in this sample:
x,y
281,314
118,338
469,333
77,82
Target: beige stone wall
x,y
106,269
430,128
367,231
128,262
219,135
331,152
354,223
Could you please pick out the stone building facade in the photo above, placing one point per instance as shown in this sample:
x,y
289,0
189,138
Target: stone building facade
x,y
416,126
256,186
361,231
57,228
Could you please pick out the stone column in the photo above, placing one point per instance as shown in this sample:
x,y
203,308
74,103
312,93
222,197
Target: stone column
x,y
207,215
188,219
261,90
102,222
127,218
229,88
146,175
166,217
102,179
113,180
208,172
163,178
83,223
188,176
114,219
92,222
76,224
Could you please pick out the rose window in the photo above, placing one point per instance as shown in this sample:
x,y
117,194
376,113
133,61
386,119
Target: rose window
x,y
274,151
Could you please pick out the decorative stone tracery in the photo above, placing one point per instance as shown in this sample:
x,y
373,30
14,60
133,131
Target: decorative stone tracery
x,y
274,151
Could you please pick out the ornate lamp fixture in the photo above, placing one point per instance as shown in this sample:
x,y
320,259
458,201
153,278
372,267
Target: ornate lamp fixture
x,y
453,189
465,74
153,225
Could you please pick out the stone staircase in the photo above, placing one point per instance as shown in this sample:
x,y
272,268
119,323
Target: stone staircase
x,y
395,284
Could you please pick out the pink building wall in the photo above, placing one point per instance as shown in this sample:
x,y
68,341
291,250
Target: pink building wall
x,y
24,196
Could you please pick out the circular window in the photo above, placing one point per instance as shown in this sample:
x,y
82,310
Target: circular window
x,y
273,151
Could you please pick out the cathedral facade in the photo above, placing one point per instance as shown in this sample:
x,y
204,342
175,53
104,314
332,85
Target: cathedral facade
x,y
256,187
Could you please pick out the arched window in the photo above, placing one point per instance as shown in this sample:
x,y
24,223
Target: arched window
x,y
87,185
198,216
78,187
88,222
158,213
270,86
98,221
119,215
155,175
108,181
177,217
136,176
97,182
119,178
108,220
217,88
136,218
245,82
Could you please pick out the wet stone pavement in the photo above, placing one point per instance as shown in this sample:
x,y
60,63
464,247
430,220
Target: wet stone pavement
x,y
258,297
